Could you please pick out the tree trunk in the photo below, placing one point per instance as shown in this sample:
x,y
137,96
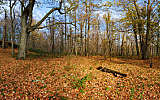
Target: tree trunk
x,y
144,52
75,42
11,5
142,42
148,29
89,10
23,40
26,21
12,33
62,46
65,31
157,46
104,47
71,39
86,38
140,26
136,40
97,43
145,44
81,27
97,37
4,32
52,34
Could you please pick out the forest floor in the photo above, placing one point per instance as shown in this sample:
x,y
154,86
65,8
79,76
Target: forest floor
x,y
72,77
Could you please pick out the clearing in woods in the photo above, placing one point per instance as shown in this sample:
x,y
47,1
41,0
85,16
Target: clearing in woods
x,y
72,77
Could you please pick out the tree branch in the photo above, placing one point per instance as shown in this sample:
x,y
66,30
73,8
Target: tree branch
x,y
31,2
22,3
137,10
54,24
12,4
41,21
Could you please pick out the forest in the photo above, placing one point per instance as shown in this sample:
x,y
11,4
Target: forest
x,y
80,49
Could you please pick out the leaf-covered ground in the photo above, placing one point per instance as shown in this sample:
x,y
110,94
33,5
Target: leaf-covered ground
x,y
73,77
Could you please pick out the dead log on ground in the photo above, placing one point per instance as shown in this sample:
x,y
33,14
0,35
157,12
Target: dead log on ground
x,y
111,71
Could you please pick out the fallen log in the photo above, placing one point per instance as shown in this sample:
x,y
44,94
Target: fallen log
x,y
111,71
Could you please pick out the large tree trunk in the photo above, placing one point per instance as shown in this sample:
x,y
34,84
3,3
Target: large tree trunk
x,y
23,40
144,48
140,26
145,44
26,21
148,30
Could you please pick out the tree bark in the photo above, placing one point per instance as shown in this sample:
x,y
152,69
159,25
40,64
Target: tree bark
x,y
97,38
12,32
75,42
148,30
11,5
136,40
71,39
140,25
89,11
52,35
5,31
158,43
23,40
86,38
81,27
62,46
65,31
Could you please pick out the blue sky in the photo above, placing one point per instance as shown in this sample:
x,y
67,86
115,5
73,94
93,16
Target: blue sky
x,y
40,11
46,5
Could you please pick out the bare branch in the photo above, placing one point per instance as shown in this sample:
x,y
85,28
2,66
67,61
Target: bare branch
x,y
22,3
13,3
54,24
52,10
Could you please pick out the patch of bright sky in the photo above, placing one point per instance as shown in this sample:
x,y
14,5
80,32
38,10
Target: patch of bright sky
x,y
41,9
115,14
46,5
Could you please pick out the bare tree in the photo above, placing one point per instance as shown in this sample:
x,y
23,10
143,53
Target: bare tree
x,y
4,30
12,17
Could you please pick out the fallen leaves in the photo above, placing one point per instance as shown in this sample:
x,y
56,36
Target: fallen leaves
x,y
55,78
